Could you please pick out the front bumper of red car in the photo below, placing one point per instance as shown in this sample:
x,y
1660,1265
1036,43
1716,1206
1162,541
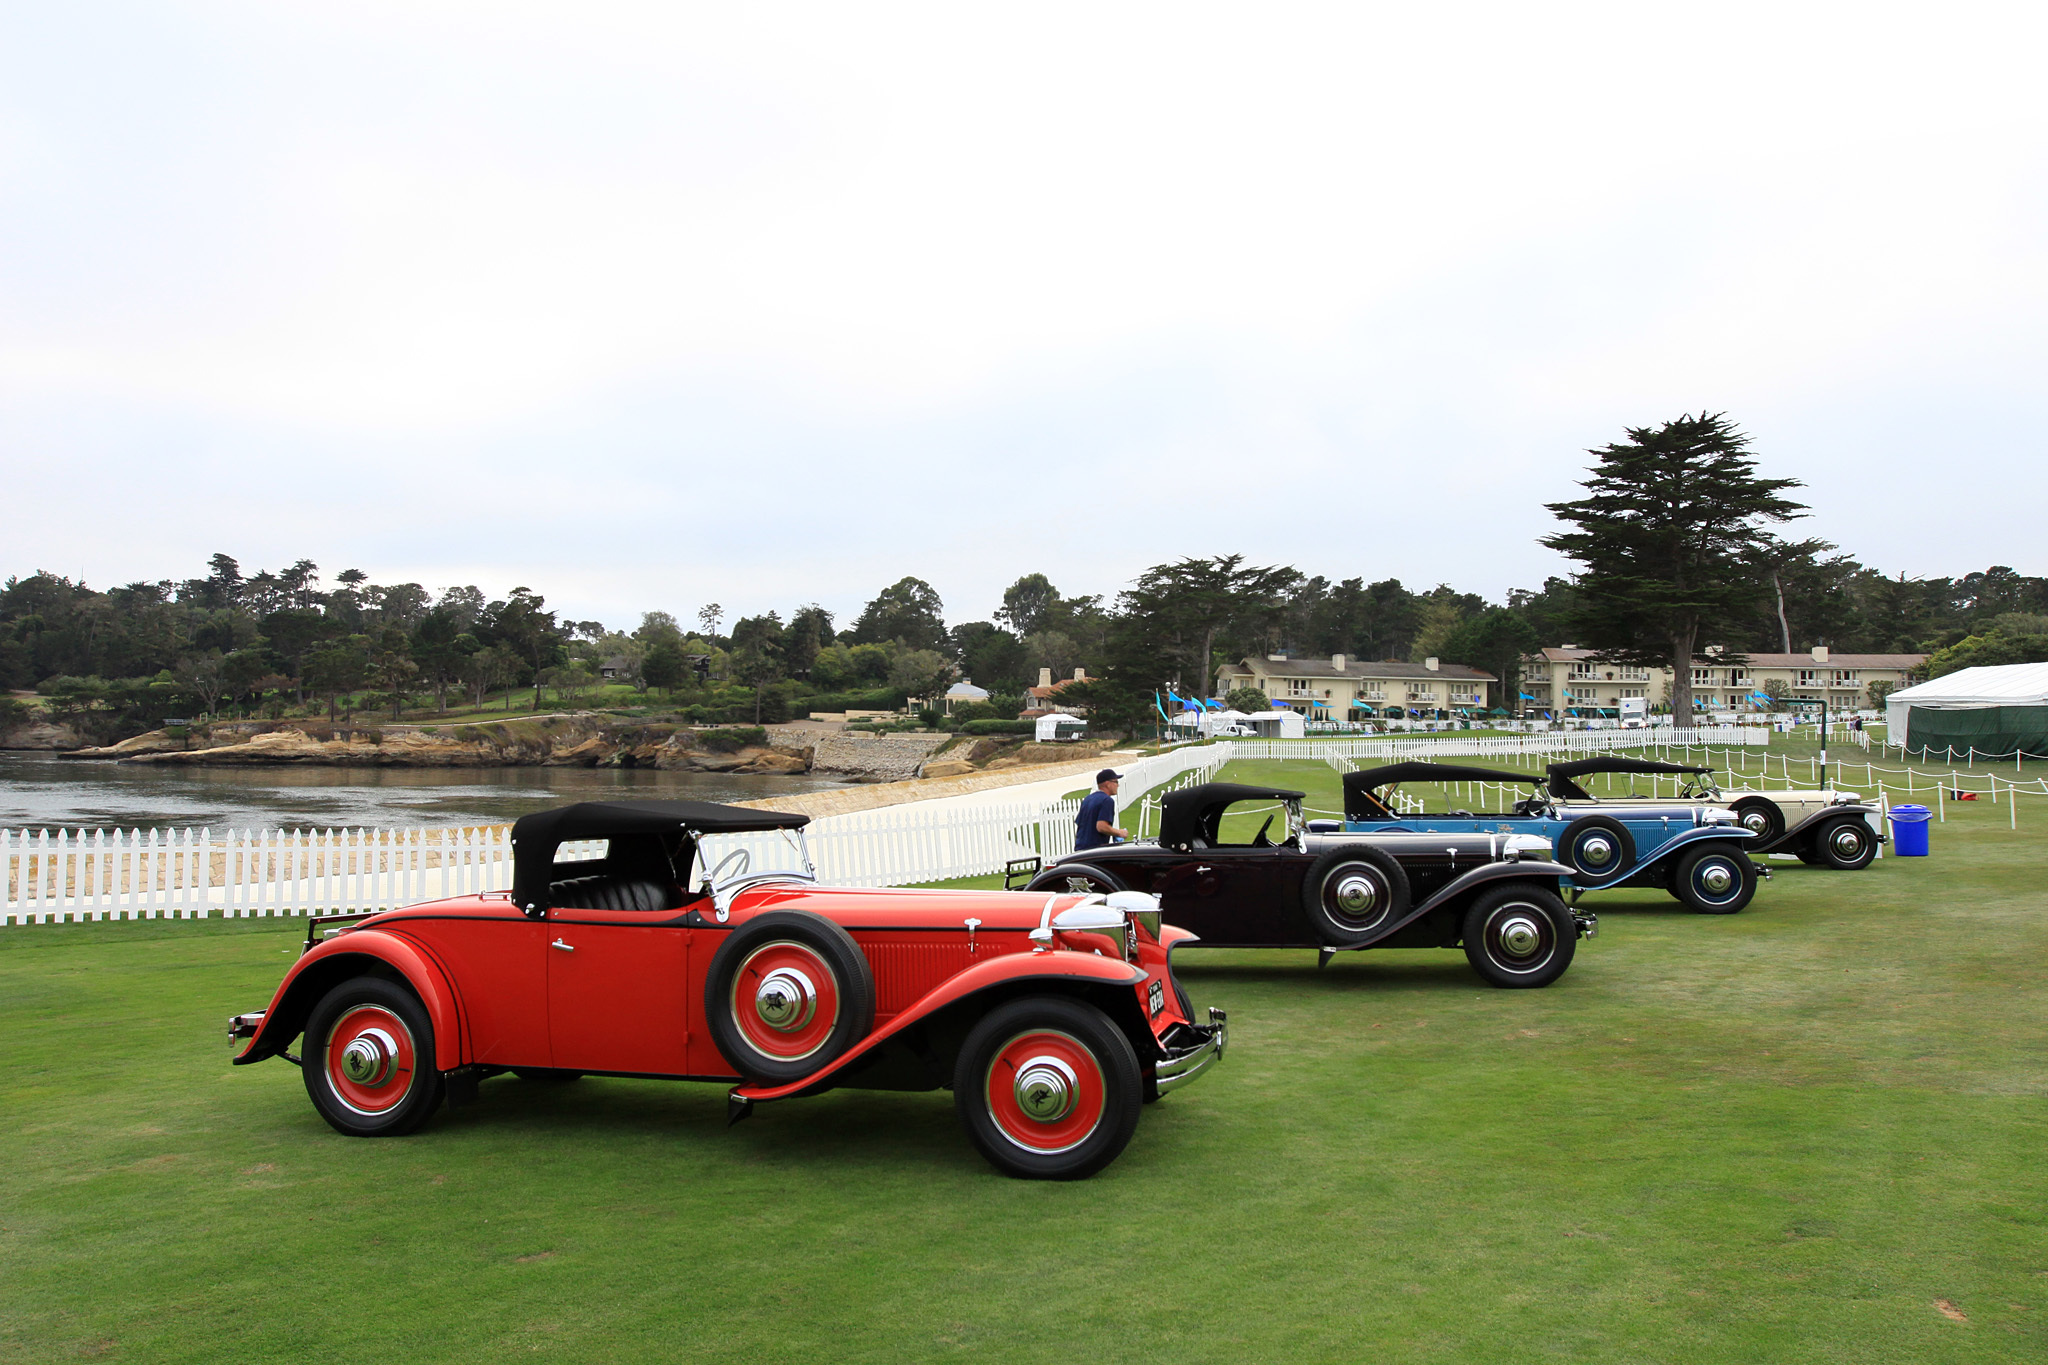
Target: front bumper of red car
x,y
1190,1049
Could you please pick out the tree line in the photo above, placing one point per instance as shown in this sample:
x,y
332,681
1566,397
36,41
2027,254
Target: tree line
x,y
1676,545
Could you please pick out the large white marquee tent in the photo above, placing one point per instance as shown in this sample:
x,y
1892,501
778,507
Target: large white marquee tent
x,y
1992,712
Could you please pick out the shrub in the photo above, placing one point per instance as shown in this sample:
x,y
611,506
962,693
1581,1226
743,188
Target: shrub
x,y
1000,727
727,740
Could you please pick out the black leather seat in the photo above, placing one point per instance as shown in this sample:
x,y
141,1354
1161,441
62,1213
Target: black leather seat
x,y
614,893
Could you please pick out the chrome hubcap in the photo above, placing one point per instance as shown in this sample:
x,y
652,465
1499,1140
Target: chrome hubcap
x,y
1848,842
1717,878
366,1061
1597,851
1520,936
786,1000
1046,1087
1355,894
1756,822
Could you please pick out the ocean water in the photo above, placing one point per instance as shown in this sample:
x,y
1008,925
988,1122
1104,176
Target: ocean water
x,y
42,791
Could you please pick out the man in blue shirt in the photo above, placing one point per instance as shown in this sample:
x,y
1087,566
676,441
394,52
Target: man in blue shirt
x,y
1095,825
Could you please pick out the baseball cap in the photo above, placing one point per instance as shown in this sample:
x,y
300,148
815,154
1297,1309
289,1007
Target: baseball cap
x,y
1108,775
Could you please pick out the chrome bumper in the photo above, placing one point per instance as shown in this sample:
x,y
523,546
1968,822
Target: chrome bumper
x,y
1190,1050
1587,923
246,1025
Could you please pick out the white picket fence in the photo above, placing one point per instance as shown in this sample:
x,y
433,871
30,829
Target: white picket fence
x,y
60,875
1555,744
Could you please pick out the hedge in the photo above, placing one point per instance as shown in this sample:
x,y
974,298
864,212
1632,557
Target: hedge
x,y
1000,727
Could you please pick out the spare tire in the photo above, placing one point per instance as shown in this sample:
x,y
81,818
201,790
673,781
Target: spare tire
x,y
787,992
1076,879
1598,849
1353,894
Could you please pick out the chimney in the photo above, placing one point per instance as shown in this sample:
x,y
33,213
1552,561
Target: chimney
x,y
1045,677
1430,663
1080,675
1337,662
1820,654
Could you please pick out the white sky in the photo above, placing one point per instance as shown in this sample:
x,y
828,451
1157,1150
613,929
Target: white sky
x,y
653,306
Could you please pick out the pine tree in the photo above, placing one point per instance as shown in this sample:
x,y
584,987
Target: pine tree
x,y
1670,538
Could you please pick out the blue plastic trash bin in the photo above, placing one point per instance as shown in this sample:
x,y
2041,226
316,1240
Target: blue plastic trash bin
x,y
1909,831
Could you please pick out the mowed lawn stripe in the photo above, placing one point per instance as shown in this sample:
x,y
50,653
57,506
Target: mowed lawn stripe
x,y
1779,1135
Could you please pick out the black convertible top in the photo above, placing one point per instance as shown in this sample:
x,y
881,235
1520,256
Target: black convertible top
x,y
1195,812
1561,774
648,838
1361,804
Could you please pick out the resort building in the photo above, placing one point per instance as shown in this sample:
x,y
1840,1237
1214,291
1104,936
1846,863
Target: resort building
x,y
1567,680
1343,688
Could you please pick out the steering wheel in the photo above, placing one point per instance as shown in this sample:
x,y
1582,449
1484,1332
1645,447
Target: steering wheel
x,y
741,856
1260,840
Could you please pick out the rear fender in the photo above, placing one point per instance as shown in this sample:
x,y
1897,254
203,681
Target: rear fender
x,y
366,952
1805,830
1105,981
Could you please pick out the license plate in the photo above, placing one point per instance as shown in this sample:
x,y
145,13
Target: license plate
x,y
1157,998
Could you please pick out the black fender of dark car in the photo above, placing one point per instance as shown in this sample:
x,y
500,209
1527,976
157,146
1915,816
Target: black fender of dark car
x,y
1466,885
1798,834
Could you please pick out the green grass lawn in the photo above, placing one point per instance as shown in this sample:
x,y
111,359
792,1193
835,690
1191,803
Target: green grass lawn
x,y
1813,1131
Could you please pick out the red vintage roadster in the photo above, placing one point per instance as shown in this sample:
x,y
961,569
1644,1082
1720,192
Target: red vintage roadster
x,y
1052,1018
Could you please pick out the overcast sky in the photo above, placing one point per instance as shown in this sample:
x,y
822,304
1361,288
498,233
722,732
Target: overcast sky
x,y
649,307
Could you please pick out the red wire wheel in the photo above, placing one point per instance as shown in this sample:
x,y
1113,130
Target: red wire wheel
x,y
370,1058
785,999
369,1064
1045,1092
1048,1088
786,993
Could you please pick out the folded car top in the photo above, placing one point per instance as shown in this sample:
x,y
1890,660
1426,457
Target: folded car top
x,y
1361,804
658,825
1195,812
1562,774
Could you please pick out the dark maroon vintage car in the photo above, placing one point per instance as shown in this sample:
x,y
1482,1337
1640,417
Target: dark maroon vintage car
x,y
1053,1018
1493,894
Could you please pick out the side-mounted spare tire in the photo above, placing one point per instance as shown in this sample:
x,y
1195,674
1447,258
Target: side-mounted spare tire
x,y
1353,894
1598,849
787,992
1076,878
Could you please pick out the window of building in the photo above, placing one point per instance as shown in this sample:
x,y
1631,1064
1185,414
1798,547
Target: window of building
x,y
1703,677
1809,677
1584,670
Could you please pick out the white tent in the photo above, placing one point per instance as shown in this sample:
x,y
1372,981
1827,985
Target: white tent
x,y
1052,722
1279,723
1991,711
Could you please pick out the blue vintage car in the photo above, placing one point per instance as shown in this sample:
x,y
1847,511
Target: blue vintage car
x,y
1699,853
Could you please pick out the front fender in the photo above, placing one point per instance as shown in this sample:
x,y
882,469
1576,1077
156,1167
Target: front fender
x,y
1528,869
364,952
1744,841
1067,968
1802,831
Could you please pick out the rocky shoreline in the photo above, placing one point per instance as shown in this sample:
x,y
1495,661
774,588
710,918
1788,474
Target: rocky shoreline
x,y
572,741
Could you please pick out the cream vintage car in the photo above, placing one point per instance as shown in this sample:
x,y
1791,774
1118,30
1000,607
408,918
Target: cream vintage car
x,y
1823,828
